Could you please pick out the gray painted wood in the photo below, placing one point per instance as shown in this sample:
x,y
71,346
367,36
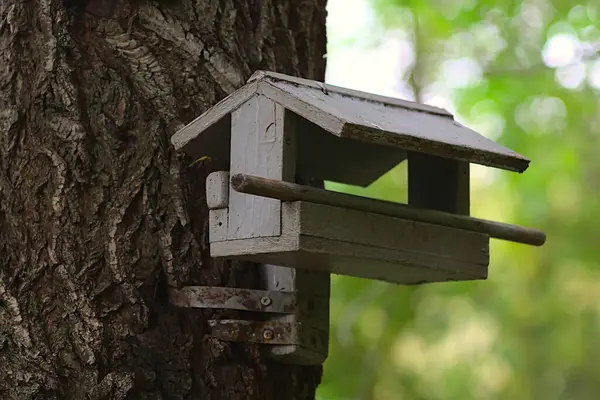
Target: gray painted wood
x,y
388,264
348,259
313,284
195,130
217,224
307,283
232,247
217,190
353,115
437,183
257,141
382,232
323,238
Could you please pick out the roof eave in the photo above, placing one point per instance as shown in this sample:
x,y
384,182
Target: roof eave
x,y
213,115
511,162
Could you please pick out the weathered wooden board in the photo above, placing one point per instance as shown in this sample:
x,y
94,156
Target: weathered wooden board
x,y
198,133
353,260
361,118
351,114
347,242
379,231
217,190
259,76
275,244
258,142
310,283
390,265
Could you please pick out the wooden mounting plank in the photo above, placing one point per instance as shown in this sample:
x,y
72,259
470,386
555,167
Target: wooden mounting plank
x,y
379,231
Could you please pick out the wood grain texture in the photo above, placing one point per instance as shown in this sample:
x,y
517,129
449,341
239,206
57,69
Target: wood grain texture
x,y
389,265
380,231
287,191
277,244
212,116
407,128
274,77
355,243
325,255
98,213
370,119
257,143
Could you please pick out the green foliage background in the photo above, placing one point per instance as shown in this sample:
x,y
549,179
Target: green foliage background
x,y
532,330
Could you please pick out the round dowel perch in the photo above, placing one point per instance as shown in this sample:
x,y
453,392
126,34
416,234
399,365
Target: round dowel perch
x,y
287,191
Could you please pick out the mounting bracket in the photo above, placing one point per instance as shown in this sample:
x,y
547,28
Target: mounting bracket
x,y
290,310
283,318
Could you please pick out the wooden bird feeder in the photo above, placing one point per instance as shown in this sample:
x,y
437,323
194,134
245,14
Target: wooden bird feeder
x,y
280,133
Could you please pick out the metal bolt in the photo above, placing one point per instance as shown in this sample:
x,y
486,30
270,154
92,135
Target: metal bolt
x,y
265,301
268,334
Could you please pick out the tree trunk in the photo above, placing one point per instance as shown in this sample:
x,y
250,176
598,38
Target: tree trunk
x,y
99,216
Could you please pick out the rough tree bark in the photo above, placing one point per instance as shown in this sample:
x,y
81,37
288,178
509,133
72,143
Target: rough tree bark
x,y
98,215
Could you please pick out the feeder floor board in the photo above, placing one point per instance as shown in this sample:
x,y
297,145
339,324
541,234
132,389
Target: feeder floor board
x,y
365,245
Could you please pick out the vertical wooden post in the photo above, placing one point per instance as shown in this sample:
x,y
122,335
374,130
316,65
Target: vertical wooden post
x,y
258,146
438,183
305,281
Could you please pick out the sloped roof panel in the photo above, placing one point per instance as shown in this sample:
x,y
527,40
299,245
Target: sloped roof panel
x,y
364,117
376,119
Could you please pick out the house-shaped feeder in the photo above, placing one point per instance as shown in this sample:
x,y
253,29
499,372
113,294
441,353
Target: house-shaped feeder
x,y
280,133
282,137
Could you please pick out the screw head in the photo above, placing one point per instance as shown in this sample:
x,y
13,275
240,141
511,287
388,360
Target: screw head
x,y
268,334
265,301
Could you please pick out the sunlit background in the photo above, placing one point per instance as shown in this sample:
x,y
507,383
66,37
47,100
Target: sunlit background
x,y
526,74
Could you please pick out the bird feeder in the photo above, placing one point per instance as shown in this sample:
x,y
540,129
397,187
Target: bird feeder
x,y
280,135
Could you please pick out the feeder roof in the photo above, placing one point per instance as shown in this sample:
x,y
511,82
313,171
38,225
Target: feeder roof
x,y
363,117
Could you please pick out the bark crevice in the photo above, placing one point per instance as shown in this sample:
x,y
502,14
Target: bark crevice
x,y
99,216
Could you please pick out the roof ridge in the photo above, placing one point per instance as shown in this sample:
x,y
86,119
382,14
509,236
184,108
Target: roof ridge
x,y
262,75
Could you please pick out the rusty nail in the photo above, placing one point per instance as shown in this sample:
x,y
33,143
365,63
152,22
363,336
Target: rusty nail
x,y
265,301
268,334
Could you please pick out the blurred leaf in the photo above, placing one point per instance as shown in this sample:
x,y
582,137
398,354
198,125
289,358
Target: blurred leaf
x,y
528,332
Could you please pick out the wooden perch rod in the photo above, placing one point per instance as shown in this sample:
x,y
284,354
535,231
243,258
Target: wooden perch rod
x,y
287,191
